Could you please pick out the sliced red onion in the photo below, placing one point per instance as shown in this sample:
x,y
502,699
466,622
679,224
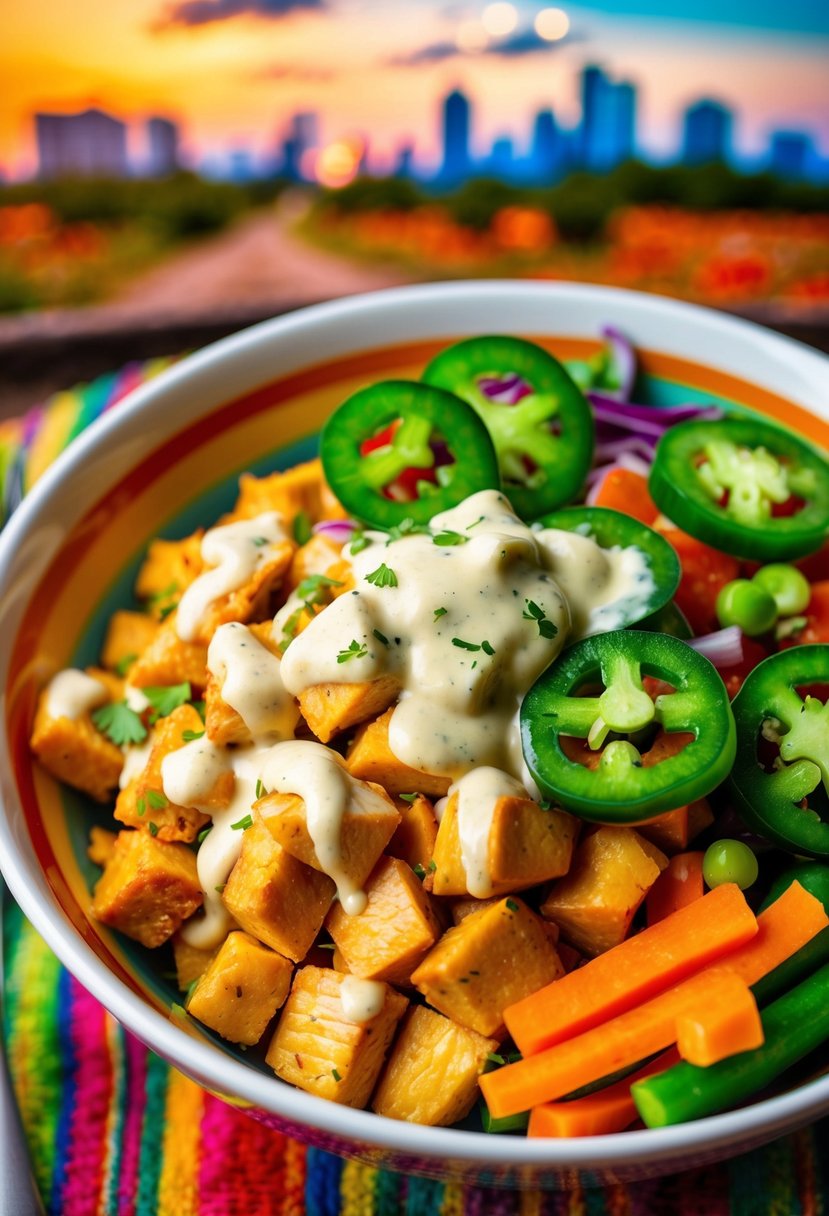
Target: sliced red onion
x,y
508,390
723,648
614,448
339,531
624,362
645,419
634,464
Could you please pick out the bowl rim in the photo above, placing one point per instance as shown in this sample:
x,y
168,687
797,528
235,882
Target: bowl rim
x,y
233,1078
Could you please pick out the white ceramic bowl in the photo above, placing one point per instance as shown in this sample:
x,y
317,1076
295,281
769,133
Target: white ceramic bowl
x,y
65,561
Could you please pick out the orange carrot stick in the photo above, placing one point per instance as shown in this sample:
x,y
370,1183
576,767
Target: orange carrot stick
x,y
606,1049
609,1110
633,971
714,1032
677,886
625,491
791,921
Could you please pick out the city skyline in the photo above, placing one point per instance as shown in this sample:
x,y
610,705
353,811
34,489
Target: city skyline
x,y
605,136
231,75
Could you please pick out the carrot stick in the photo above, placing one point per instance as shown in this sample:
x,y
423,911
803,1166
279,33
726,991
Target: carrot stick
x,y
609,1110
677,886
791,921
714,1032
606,1049
633,971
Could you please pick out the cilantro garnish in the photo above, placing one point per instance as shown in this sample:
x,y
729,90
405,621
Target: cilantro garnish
x,y
512,905
289,629
381,637
433,865
189,736
439,612
382,576
164,601
534,612
479,520
447,538
260,789
493,1058
123,665
335,1075
359,541
157,799
311,589
406,527
243,824
141,805
419,871
164,699
119,723
407,797
487,647
200,708
204,833
354,650
153,828
462,645
302,528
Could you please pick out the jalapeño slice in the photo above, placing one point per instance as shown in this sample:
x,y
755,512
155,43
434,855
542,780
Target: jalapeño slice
x,y
544,440
417,417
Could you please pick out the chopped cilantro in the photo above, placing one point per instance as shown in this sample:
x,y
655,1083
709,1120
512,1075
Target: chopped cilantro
x,y
512,905
302,528
259,541
381,637
493,1058
487,647
119,723
191,988
479,520
165,698
190,736
359,541
164,601
204,833
534,612
242,825
439,612
289,629
354,650
260,789
141,805
462,645
157,799
123,665
200,708
406,527
419,871
335,1075
382,576
312,589
433,865
447,538
407,797
220,888
153,828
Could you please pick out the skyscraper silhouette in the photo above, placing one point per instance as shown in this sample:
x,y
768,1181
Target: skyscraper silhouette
x,y
706,133
790,153
456,130
546,148
608,126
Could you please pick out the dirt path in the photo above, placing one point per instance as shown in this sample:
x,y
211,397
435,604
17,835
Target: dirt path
x,y
258,263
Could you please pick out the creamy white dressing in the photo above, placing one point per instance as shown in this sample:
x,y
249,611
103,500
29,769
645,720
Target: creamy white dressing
x,y
231,554
603,586
136,759
362,1000
188,776
72,693
318,775
135,698
478,792
463,671
251,682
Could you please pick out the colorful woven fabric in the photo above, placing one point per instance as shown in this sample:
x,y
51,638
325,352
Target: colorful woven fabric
x,y
113,1131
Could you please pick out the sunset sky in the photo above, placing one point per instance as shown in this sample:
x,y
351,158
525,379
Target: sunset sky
x,y
232,71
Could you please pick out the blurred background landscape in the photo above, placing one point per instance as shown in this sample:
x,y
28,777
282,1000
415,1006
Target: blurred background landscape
x,y
173,169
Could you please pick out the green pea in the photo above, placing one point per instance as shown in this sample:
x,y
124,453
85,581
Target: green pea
x,y
729,861
748,605
788,588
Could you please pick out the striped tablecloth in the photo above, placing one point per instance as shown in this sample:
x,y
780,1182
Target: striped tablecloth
x,y
113,1131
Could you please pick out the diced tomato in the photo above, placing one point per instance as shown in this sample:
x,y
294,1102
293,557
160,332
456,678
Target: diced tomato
x,y
816,566
404,487
734,677
625,491
705,571
816,628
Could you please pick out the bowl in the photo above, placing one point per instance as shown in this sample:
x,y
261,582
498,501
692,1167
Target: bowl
x,y
166,460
